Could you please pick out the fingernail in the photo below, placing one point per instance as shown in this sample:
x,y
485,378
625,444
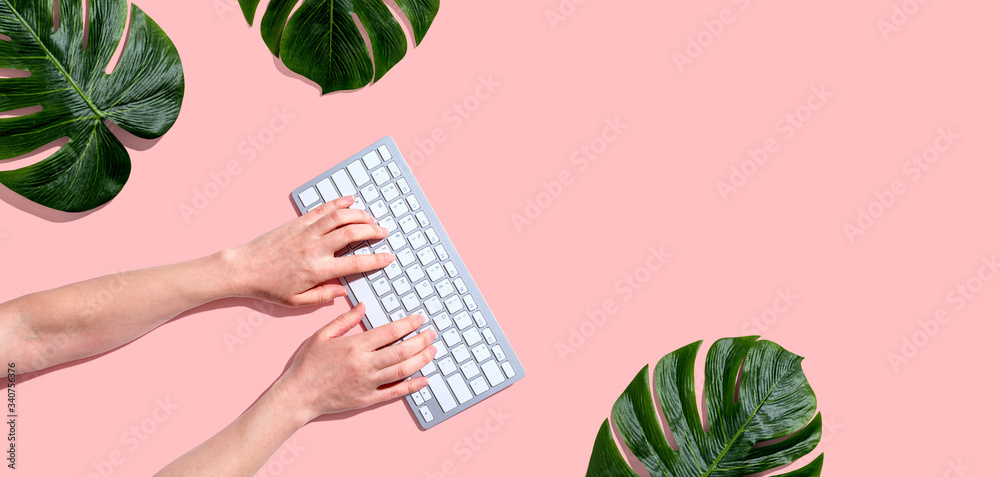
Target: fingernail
x,y
426,320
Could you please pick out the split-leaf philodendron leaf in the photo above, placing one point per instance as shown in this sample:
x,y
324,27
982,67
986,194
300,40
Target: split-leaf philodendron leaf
x,y
761,413
68,80
321,41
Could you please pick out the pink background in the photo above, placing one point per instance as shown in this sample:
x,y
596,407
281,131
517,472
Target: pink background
x,y
656,185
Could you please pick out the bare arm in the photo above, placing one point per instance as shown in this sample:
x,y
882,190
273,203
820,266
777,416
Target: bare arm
x,y
289,266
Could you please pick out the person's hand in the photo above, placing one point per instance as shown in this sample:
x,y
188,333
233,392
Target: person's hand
x,y
291,264
334,373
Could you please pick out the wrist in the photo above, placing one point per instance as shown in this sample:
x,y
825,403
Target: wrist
x,y
291,403
230,277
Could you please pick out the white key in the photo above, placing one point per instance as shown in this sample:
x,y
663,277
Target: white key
x,y
390,192
453,303
498,353
444,289
442,351
378,209
389,303
381,176
358,173
426,414
425,393
461,390
417,398
508,369
480,320
373,274
408,224
405,258
382,248
404,187
410,301
490,337
381,286
452,270
492,372
462,320
417,239
393,168
343,182
371,159
479,385
397,315
308,196
441,252
442,321
461,353
429,369
481,352
424,289
388,223
327,190
422,313
460,286
432,236
358,203
401,286
472,336
384,152
369,192
397,240
425,256
434,305
436,383
447,366
415,273
398,208
414,204
422,220
470,302
470,370
393,270
435,272
450,336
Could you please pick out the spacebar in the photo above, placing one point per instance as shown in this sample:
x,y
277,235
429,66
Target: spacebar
x,y
363,293
441,392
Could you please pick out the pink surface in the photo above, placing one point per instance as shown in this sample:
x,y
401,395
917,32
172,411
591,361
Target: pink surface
x,y
736,257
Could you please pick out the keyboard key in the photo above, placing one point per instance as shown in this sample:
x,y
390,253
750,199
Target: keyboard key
x,y
384,152
492,372
442,351
405,258
417,239
401,286
480,320
358,203
440,391
450,336
442,321
425,393
415,273
393,168
388,223
461,390
498,353
432,236
358,173
369,192
454,303
508,369
461,353
435,272
426,413
462,320
344,184
390,192
397,315
460,286
490,337
424,289
470,370
479,385
381,286
444,289
397,241
414,204
382,247
410,301
308,196
429,369
378,209
371,159
434,305
422,219
393,270
452,269
423,313
390,302
404,187
470,302
447,366
381,176
441,252
425,256
327,190
417,398
407,224
472,336
481,352
374,274
398,208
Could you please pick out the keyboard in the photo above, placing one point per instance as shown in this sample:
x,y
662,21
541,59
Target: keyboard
x,y
474,360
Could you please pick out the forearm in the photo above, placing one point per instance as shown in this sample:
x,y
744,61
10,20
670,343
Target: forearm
x,y
91,317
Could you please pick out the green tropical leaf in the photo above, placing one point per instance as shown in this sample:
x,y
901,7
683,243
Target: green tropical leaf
x,y
68,80
772,421
321,41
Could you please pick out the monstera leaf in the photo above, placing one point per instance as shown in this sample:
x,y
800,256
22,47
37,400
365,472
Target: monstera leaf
x,y
321,41
68,80
755,392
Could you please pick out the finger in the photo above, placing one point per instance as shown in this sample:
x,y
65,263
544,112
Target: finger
x,y
352,264
343,323
401,389
338,218
341,203
353,232
319,295
386,334
395,354
406,368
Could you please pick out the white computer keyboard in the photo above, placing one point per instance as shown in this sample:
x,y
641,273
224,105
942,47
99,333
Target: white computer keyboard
x,y
474,358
